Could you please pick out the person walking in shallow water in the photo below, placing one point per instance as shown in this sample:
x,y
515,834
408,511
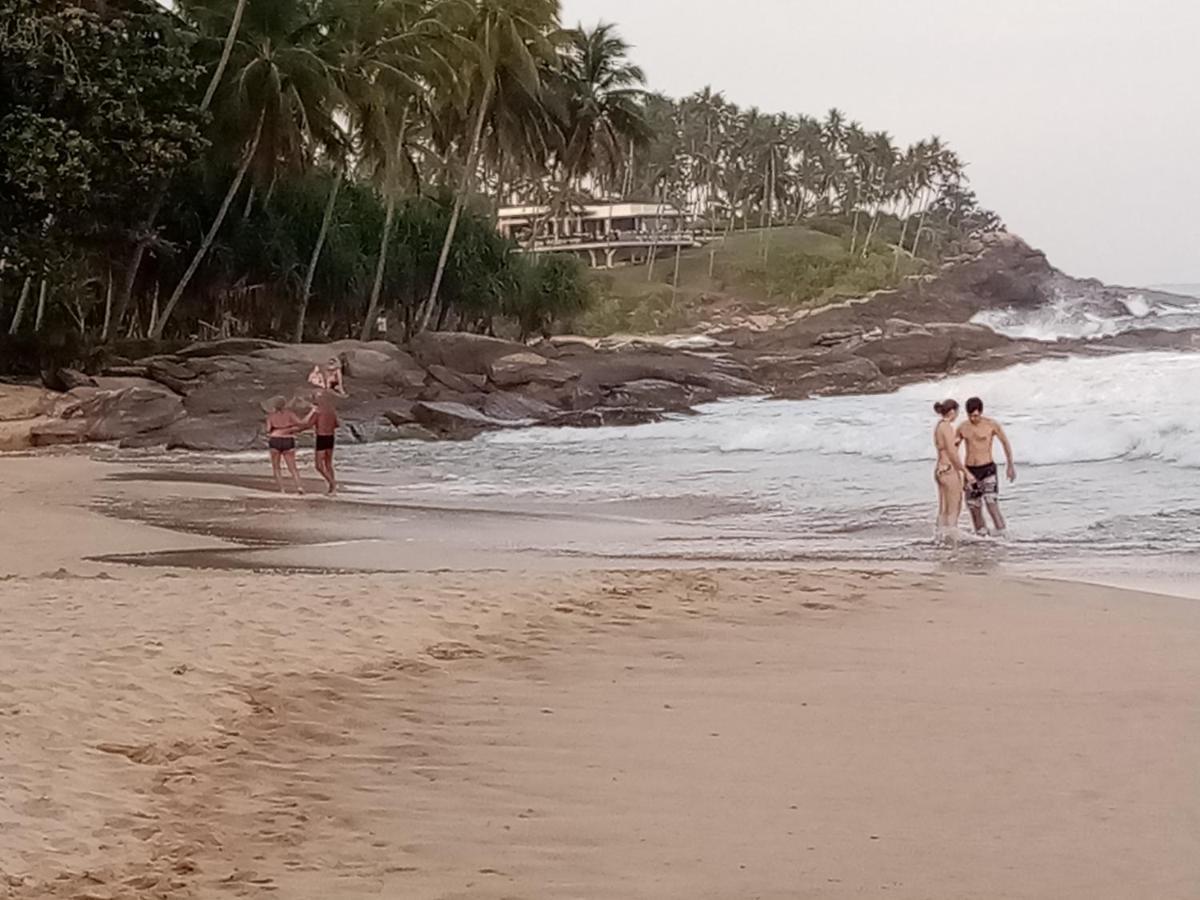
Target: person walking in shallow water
x,y
324,421
282,427
980,433
949,473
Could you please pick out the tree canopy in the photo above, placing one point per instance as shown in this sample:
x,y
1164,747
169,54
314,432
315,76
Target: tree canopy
x,y
296,168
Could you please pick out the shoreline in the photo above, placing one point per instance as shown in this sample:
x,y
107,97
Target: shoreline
x,y
598,731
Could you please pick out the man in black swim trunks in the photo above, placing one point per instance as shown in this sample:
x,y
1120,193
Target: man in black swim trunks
x,y
979,433
324,420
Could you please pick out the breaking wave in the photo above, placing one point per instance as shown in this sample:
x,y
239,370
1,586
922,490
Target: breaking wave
x,y
1091,316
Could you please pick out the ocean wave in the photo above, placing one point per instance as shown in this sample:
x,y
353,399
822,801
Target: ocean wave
x,y
1088,317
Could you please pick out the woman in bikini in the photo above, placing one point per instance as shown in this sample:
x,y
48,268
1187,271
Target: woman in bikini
x,y
950,472
282,427
330,378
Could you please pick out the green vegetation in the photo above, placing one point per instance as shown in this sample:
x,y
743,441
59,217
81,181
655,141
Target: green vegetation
x,y
296,168
785,268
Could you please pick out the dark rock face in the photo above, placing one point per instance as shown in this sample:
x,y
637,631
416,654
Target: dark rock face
x,y
455,421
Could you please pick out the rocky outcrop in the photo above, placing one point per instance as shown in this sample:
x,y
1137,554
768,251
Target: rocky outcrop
x,y
111,416
527,367
210,396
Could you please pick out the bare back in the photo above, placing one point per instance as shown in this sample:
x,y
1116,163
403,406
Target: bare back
x,y
282,423
944,443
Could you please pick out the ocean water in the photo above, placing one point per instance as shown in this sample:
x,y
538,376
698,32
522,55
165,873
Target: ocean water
x,y
1107,451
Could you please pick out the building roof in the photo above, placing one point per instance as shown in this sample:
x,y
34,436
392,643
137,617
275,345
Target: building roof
x,y
595,211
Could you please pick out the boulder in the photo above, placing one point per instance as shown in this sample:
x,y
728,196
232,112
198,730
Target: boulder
x,y
725,385
468,353
458,381
802,378
222,434
455,421
605,416
69,379
512,407
229,347
17,434
656,394
25,402
113,416
527,367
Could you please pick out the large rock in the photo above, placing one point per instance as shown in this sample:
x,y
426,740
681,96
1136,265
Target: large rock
x,y
653,393
469,353
458,381
112,416
455,421
802,377
932,350
512,407
607,416
527,367
25,402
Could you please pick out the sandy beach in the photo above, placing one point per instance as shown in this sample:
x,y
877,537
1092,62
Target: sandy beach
x,y
493,724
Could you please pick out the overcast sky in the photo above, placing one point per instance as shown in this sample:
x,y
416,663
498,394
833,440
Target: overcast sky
x,y
1079,119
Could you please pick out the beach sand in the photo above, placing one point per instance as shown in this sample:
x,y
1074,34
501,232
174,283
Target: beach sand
x,y
533,729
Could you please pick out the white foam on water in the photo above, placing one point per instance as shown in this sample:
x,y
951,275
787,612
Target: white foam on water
x,y
1086,317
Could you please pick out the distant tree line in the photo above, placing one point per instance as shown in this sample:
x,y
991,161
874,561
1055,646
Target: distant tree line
x,y
297,168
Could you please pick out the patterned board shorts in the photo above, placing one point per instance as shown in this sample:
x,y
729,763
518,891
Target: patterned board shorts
x,y
985,489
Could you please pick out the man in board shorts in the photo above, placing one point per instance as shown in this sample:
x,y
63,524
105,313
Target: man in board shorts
x,y
324,421
979,433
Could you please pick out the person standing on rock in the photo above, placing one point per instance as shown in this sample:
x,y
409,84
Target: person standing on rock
x,y
282,427
324,421
980,433
949,472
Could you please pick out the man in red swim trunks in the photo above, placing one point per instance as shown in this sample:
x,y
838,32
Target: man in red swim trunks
x,y
324,420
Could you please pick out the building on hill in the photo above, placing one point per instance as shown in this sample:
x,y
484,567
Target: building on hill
x,y
603,234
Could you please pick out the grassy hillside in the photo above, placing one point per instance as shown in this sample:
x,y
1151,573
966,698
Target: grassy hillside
x,y
754,271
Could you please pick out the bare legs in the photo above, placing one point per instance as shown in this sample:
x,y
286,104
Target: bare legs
x,y
277,459
324,462
290,459
950,500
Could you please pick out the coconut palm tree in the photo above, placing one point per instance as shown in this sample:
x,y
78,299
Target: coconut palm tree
x,y
512,42
277,103
145,236
383,54
601,95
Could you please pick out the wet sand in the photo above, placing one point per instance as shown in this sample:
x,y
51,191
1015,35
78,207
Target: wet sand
x,y
537,731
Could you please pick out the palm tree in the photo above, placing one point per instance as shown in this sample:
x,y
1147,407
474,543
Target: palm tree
x,y
277,104
512,41
601,96
146,232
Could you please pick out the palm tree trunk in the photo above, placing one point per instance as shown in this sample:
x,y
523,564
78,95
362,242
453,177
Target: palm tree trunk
x,y
21,301
139,251
385,239
156,332
226,51
903,238
108,306
866,247
41,305
854,231
306,291
459,202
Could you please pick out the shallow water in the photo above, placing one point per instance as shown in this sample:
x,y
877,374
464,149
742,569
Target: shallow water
x,y
1107,453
